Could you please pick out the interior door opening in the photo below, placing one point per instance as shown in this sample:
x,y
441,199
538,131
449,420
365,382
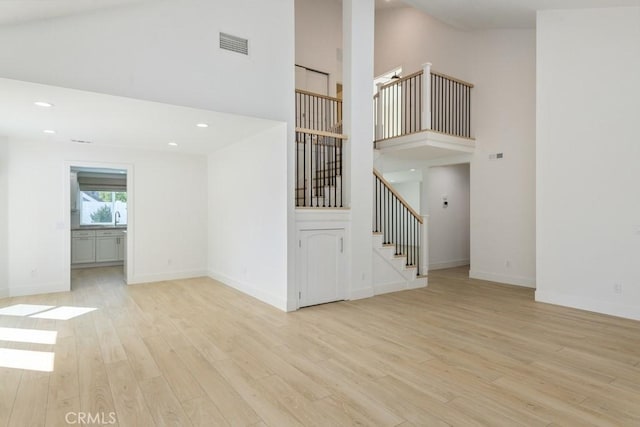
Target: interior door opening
x,y
100,220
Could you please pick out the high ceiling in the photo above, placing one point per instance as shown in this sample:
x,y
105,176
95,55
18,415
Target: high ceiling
x,y
463,14
491,14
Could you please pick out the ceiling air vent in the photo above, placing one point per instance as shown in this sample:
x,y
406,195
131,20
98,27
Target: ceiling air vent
x,y
234,44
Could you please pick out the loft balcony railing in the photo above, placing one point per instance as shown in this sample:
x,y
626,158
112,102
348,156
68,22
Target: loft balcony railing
x,y
318,112
425,100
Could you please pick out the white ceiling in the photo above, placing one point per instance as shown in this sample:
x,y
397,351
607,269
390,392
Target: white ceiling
x,y
19,11
463,14
114,121
490,14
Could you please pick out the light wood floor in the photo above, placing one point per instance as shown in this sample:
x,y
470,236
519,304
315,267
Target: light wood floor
x,y
194,352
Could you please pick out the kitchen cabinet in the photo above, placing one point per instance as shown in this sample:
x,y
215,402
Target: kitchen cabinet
x,y
83,247
96,246
108,243
121,243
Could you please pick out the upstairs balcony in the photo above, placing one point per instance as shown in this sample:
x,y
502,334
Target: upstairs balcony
x,y
423,109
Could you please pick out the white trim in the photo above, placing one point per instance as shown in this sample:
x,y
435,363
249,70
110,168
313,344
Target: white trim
x,y
250,290
161,277
418,282
589,304
427,138
391,287
361,293
50,288
527,282
448,264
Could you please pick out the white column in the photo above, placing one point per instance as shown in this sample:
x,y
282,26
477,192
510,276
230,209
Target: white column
x,y
426,96
379,124
424,211
358,38
424,247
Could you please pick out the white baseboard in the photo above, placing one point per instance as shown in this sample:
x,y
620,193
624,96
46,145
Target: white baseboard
x,y
250,290
527,282
448,264
589,304
161,277
419,282
401,286
390,287
39,289
361,293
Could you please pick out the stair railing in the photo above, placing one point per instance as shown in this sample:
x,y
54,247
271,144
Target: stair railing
x,y
398,222
319,167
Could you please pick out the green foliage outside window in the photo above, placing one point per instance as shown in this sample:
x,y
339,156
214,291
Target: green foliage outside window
x,y
102,215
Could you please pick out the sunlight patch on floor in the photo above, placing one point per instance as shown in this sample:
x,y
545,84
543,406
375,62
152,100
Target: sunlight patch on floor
x,y
26,359
34,336
64,313
24,309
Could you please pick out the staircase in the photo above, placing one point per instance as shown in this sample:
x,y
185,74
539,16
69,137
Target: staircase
x,y
425,110
399,241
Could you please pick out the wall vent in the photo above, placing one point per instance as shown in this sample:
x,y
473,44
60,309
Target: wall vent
x,y
234,43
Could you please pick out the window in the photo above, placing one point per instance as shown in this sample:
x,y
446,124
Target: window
x,y
103,208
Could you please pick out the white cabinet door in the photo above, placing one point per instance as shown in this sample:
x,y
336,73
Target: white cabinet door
x,y
322,264
120,244
83,250
106,249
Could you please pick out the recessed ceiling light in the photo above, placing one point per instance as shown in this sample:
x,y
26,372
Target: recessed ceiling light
x,y
173,144
49,131
43,104
392,180
412,170
202,125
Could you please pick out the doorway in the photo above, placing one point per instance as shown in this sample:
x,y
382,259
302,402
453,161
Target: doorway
x,y
311,80
100,218
448,202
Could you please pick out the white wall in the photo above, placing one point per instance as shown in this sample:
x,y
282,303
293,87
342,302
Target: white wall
x,y
248,227
408,37
168,243
319,37
410,192
588,204
448,227
167,51
503,191
4,225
